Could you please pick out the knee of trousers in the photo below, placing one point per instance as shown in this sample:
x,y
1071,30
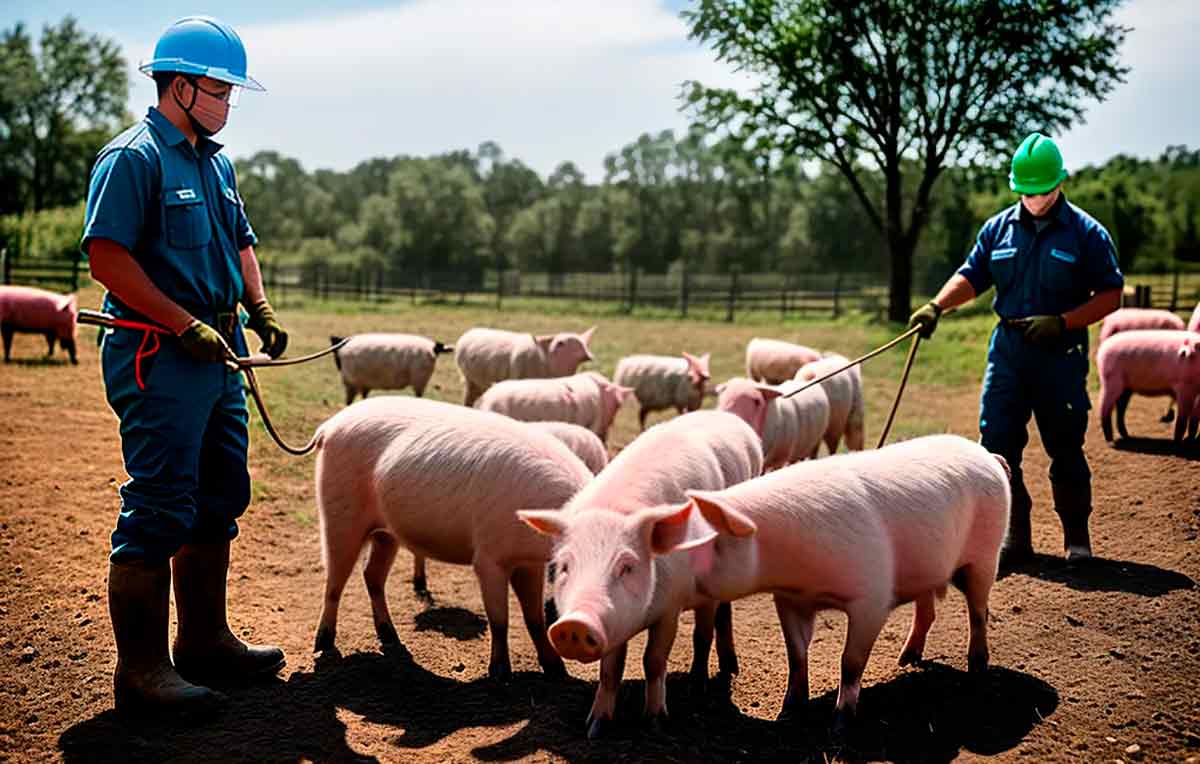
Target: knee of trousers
x,y
217,514
152,527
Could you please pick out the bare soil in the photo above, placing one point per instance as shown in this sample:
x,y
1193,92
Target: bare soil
x,y
1095,663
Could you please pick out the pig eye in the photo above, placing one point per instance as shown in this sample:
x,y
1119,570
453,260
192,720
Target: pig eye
x,y
562,569
626,569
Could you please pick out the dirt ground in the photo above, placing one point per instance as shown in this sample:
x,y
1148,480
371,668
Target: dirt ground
x,y
1098,663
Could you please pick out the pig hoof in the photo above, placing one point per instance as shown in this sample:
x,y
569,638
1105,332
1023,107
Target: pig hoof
x,y
910,657
657,723
387,634
500,672
977,664
598,727
325,640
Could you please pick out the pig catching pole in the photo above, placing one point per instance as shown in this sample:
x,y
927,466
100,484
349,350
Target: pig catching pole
x,y
246,365
912,354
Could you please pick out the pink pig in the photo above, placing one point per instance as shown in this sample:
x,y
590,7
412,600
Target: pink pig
x,y
1134,319
610,580
775,361
36,311
1153,362
861,533
445,482
487,356
586,399
790,428
1193,324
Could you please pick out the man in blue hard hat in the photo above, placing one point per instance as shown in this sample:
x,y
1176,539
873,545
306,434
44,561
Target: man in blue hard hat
x,y
167,235
1055,272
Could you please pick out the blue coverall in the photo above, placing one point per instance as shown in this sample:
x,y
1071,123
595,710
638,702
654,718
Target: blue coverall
x,y
177,211
1041,267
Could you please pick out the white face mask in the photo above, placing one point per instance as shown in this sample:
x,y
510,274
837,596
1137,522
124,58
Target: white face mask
x,y
1040,204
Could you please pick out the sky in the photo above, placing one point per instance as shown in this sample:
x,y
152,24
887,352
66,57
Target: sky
x,y
548,80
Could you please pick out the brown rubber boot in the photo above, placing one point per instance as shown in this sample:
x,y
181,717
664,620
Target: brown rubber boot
x,y
145,682
1073,503
205,649
1018,542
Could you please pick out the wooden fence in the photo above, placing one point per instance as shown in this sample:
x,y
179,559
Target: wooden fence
x,y
61,275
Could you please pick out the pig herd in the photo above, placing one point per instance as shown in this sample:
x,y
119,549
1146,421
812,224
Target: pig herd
x,y
697,512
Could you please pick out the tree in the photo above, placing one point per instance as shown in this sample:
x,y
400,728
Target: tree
x,y
866,85
59,104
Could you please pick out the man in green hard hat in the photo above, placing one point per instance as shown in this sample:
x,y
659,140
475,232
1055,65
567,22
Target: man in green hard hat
x,y
1055,272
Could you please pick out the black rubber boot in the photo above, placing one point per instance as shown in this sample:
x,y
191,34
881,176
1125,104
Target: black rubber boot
x,y
1018,542
145,683
1073,503
205,650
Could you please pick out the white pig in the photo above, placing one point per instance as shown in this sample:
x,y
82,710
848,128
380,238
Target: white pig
x,y
845,393
775,361
445,482
586,399
610,583
861,533
663,381
487,356
790,428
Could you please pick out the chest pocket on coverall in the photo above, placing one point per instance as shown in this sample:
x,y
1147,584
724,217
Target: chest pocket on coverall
x,y
1059,271
1002,262
186,219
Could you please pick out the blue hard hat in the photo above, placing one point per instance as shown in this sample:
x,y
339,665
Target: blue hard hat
x,y
203,46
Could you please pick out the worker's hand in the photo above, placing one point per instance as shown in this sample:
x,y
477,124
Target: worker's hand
x,y
202,342
1044,331
263,322
926,317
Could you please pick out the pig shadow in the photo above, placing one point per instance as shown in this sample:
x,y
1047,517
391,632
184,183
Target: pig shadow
x,y
40,361
456,622
1102,575
1188,449
929,714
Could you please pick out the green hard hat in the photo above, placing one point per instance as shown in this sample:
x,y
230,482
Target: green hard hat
x,y
1037,166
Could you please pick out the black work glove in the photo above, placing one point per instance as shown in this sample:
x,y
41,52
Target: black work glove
x,y
267,327
203,343
926,317
1044,331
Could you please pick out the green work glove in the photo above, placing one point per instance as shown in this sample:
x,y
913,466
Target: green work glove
x,y
263,322
202,342
1044,331
926,317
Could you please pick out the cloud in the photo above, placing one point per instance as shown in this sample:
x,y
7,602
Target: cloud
x,y
549,80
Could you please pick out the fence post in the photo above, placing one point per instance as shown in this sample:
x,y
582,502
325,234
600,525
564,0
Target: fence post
x,y
733,285
837,292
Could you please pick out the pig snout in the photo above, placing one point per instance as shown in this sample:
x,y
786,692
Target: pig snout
x,y
579,637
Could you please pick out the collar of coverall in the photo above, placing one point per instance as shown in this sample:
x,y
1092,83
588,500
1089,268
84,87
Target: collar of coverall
x,y
205,147
1059,211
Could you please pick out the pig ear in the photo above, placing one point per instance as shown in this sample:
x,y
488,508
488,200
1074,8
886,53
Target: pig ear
x,y
587,336
545,521
669,528
724,518
623,392
543,340
769,392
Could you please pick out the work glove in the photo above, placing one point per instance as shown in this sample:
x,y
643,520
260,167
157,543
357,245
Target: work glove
x,y
1044,331
202,342
266,326
926,317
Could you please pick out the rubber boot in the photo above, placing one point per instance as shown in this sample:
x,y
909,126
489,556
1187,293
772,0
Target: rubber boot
x,y
1018,542
145,683
205,650
1073,503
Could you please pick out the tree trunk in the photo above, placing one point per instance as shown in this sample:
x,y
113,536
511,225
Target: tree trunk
x,y
900,279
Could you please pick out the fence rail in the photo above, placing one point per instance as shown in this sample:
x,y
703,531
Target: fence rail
x,y
62,273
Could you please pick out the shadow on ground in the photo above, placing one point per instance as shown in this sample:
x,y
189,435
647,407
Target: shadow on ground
x,y
1102,575
927,714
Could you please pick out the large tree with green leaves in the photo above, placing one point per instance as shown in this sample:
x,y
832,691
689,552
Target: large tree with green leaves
x,y
885,85
59,103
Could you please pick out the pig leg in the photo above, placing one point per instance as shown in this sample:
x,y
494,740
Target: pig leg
x,y
727,662
493,583
1122,405
1185,397
923,614
797,622
472,393
654,663
865,620
529,585
977,580
1109,392
702,639
7,332
339,563
69,346
831,440
612,668
379,564
642,413
419,582
50,344
365,392
351,392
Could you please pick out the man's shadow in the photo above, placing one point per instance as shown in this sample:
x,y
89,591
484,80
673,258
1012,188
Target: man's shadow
x,y
1102,575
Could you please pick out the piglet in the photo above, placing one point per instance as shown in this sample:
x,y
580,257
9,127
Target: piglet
x,y
611,579
861,533
36,311
445,482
